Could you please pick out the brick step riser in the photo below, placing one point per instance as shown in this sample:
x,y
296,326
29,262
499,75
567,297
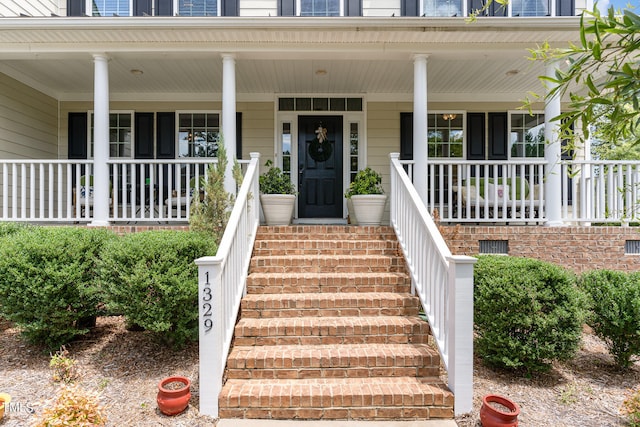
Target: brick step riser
x,y
326,233
292,288
284,412
327,340
254,313
333,372
340,268
322,262
285,251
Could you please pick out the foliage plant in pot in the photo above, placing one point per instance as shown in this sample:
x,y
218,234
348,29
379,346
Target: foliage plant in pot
x,y
367,196
277,196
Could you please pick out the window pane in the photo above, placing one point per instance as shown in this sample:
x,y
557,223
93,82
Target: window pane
x,y
110,7
445,135
320,8
527,135
198,7
530,8
442,7
198,135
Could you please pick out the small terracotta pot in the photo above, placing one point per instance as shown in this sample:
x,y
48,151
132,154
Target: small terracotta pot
x,y
173,401
491,416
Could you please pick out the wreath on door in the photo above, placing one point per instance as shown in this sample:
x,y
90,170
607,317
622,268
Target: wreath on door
x,y
320,148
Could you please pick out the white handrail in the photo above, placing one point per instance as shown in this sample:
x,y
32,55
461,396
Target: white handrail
x,y
444,283
221,286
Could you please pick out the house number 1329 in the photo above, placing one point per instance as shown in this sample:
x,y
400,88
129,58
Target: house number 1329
x,y
206,304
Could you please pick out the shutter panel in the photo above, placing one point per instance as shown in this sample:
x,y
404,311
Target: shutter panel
x,y
353,8
565,8
230,8
77,130
166,134
76,8
142,8
409,7
286,7
238,135
475,136
406,136
144,136
498,136
164,7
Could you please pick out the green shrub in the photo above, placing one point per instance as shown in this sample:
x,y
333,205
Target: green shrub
x,y
614,300
7,228
366,181
47,281
631,407
151,279
527,312
275,181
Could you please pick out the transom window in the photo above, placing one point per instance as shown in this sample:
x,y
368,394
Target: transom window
x,y
320,8
442,8
527,135
198,134
110,7
445,134
320,104
198,7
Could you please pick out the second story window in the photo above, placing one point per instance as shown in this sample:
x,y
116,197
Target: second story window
x,y
198,7
442,8
320,8
530,8
110,8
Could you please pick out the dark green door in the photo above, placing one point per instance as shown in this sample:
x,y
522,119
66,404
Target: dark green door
x,y
320,167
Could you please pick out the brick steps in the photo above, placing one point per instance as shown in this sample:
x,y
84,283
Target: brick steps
x,y
329,304
329,330
330,361
387,398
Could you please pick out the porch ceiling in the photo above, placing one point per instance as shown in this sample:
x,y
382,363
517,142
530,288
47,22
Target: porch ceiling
x,y
466,61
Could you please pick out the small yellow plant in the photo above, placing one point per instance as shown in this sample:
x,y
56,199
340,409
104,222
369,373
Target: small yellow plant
x,y
631,407
73,407
64,367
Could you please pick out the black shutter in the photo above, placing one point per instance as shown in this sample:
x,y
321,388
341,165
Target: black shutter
x,y
498,136
353,8
77,136
142,7
166,135
238,135
144,136
409,7
406,136
164,7
230,8
76,8
475,136
286,7
565,8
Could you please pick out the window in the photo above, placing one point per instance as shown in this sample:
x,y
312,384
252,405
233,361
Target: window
x,y
320,104
353,150
286,148
530,8
320,8
119,135
445,134
110,7
442,8
198,7
198,134
527,135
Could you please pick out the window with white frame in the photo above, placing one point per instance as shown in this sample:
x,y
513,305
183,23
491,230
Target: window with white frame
x,y
110,7
198,134
198,7
442,8
526,135
320,7
445,135
530,8
120,131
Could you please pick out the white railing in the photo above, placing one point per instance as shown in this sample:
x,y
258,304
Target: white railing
x,y
601,191
222,280
444,283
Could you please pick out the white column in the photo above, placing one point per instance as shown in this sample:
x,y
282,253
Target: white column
x,y
420,154
100,140
229,116
552,154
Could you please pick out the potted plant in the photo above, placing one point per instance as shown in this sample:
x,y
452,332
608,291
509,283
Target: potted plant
x,y
174,394
277,196
368,198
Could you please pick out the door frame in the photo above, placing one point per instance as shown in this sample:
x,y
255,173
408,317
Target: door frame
x,y
291,117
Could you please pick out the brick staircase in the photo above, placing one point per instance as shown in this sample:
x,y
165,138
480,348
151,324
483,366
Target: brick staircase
x,y
329,330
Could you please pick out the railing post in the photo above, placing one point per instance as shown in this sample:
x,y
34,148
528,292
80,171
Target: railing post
x,y
210,325
460,335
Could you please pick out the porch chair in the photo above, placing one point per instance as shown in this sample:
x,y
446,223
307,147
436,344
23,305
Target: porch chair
x,y
84,195
182,201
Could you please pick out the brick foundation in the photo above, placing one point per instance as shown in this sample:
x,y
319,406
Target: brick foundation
x,y
577,248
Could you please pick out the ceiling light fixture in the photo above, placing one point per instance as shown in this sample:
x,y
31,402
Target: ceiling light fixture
x,y
321,72
136,72
448,116
512,72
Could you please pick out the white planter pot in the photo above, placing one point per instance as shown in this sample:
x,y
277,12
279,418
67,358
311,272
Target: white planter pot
x,y
369,208
352,215
278,208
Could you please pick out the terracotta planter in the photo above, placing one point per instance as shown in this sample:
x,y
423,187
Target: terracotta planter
x,y
503,412
174,400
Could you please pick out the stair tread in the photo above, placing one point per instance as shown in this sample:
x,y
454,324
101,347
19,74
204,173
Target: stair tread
x,y
332,320
331,274
378,297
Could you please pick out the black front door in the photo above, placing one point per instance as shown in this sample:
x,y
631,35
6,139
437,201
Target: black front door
x,y
320,167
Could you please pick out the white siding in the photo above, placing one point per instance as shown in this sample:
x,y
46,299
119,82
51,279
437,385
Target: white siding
x,y
30,7
258,8
381,7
